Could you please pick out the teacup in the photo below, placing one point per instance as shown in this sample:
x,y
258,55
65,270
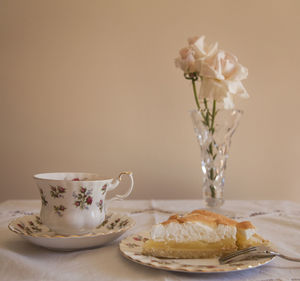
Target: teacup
x,y
74,203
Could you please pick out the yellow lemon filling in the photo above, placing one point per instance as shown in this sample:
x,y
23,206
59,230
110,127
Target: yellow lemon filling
x,y
194,249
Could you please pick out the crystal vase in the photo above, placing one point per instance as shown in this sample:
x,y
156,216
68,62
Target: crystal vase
x,y
214,146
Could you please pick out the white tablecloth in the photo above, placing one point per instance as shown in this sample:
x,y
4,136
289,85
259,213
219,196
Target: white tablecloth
x,y
278,221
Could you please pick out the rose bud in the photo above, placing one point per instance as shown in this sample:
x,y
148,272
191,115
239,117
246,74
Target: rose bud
x,y
89,200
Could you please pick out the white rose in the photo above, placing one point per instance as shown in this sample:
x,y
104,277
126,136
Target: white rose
x,y
222,90
202,49
223,66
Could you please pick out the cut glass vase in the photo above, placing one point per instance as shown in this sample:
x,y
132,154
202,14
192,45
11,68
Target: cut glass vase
x,y
214,146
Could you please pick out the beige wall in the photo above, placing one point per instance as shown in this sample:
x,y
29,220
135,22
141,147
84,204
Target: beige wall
x,y
91,86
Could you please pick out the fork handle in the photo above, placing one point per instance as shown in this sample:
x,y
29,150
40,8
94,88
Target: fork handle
x,y
288,258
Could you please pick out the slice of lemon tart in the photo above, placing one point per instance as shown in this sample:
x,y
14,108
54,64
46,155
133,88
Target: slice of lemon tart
x,y
199,234
246,236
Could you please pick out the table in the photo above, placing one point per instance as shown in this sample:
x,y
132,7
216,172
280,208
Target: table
x,y
279,221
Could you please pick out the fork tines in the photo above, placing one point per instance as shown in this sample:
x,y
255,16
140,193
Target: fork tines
x,y
238,253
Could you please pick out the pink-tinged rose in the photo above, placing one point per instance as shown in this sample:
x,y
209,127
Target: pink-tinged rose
x,y
77,203
197,50
61,189
82,189
62,208
222,66
222,90
186,61
89,200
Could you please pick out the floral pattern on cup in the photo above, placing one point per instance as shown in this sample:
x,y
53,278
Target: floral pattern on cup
x,y
100,205
57,191
59,209
103,189
43,197
79,193
78,179
83,198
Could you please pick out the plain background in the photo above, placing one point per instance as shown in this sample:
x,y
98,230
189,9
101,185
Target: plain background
x,y
92,86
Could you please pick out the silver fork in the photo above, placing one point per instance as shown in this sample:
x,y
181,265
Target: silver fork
x,y
254,252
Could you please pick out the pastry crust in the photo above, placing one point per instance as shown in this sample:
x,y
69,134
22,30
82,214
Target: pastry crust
x,y
245,225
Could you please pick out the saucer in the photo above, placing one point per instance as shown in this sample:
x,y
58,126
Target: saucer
x,y
32,229
132,247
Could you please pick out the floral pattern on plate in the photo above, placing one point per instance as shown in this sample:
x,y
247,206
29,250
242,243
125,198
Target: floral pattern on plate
x,y
32,225
132,246
32,229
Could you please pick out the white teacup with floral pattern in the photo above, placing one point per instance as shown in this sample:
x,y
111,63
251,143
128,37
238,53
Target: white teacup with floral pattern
x,y
74,203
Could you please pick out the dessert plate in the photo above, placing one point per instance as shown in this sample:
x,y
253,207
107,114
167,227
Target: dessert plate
x,y
131,247
32,229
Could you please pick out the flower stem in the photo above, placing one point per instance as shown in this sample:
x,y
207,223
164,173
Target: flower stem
x,y
195,93
213,191
213,115
209,121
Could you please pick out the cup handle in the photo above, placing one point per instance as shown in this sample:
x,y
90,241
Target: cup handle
x,y
116,182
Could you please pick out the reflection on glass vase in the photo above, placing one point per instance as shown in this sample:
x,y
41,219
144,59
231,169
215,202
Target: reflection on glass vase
x,y
214,137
